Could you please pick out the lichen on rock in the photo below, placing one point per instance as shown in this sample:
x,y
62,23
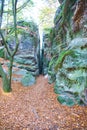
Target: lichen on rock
x,y
69,62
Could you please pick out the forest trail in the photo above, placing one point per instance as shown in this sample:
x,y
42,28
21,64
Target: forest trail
x,y
36,108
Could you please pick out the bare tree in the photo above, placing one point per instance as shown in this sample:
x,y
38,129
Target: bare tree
x,y
7,78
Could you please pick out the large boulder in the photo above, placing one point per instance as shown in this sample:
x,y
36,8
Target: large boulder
x,y
28,80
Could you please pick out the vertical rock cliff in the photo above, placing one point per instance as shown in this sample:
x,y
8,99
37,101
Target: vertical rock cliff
x,y
68,65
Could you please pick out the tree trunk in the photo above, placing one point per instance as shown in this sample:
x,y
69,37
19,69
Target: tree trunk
x,y
5,80
10,70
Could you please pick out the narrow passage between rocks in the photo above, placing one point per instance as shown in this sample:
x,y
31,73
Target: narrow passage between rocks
x,y
36,108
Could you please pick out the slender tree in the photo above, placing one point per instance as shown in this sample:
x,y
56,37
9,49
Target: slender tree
x,y
7,78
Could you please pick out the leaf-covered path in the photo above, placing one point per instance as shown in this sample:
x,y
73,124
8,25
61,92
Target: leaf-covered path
x,y
37,108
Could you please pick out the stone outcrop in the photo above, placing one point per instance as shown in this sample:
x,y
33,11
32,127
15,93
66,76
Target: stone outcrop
x,y
68,65
46,51
26,60
27,55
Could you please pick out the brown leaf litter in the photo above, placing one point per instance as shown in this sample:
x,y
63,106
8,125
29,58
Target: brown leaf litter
x,y
36,108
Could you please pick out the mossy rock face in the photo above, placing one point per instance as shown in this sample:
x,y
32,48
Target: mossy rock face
x,y
28,80
68,63
72,75
66,100
27,55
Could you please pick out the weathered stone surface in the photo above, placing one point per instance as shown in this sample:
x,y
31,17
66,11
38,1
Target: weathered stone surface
x,y
27,56
28,80
69,51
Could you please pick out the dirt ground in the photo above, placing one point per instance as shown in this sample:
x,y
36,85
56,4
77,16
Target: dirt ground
x,y
36,108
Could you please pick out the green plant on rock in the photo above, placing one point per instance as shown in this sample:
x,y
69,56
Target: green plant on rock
x,y
61,58
70,65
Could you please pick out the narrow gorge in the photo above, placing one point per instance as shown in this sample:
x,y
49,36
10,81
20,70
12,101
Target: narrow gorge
x,y
65,52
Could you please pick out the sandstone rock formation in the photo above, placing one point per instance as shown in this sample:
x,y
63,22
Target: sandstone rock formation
x,y
68,65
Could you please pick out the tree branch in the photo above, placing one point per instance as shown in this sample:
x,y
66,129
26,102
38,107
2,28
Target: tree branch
x,y
5,44
14,5
1,12
19,8
1,15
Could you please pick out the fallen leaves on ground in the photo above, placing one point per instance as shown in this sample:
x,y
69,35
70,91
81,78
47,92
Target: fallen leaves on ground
x,y
36,108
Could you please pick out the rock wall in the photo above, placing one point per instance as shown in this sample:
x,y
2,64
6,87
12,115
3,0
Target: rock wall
x,y
46,51
68,65
27,55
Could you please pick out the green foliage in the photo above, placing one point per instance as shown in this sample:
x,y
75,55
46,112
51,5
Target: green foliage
x,y
31,25
20,6
47,14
